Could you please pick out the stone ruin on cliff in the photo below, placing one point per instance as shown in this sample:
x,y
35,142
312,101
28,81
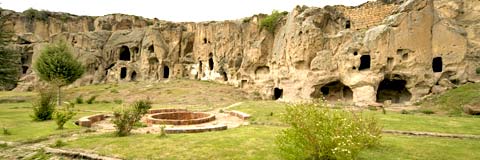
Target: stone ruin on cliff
x,y
399,51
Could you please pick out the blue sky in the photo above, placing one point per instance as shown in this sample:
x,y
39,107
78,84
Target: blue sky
x,y
171,10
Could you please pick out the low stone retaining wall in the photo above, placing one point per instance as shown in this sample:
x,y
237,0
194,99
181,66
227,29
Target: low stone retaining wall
x,y
87,121
239,114
431,134
196,129
78,155
153,111
180,118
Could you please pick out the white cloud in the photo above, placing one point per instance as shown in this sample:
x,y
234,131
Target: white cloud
x,y
172,10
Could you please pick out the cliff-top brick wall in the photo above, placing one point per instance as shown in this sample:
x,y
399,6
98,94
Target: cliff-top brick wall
x,y
368,14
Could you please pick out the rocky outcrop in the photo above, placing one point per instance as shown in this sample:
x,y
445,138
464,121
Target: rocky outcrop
x,y
400,51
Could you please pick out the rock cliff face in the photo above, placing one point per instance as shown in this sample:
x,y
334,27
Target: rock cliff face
x,y
401,51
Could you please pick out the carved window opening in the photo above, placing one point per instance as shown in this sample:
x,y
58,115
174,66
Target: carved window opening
x,y
124,53
123,73
277,93
166,72
437,64
364,62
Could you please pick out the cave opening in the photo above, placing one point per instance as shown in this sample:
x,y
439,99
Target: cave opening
x,y
210,62
166,72
151,49
124,53
394,90
348,24
333,91
437,64
277,93
133,77
204,40
364,62
123,73
24,69
224,75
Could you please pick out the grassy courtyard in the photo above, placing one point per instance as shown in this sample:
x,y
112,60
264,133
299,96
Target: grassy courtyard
x,y
254,141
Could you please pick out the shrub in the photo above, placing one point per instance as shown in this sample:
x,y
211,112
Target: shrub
x,y
478,70
36,14
58,143
427,111
44,106
317,132
118,101
91,100
163,134
270,22
62,116
114,90
3,145
404,112
126,118
79,99
6,131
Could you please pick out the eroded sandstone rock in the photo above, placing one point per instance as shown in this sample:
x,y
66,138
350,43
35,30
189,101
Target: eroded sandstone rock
x,y
375,52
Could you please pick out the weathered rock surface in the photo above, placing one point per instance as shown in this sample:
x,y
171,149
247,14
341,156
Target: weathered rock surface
x,y
400,51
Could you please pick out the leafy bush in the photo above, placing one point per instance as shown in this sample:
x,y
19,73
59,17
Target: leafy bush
x,y
427,111
317,132
270,22
6,131
126,118
118,101
58,143
36,14
3,145
79,99
62,116
404,112
114,90
163,134
91,100
478,70
44,106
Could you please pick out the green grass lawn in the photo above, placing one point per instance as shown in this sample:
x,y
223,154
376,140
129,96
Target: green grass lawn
x,y
258,142
250,142
16,118
427,148
261,114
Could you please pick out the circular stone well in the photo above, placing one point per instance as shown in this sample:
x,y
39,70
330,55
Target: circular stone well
x,y
180,118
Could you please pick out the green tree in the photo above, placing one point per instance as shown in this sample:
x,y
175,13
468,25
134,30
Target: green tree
x,y
57,66
9,58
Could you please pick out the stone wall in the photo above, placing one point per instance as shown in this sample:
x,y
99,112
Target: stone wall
x,y
368,15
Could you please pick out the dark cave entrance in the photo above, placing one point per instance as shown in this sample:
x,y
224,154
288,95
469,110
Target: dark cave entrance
x,y
224,75
24,69
166,72
133,77
393,90
151,49
124,53
437,64
364,62
123,73
333,91
210,61
277,93
348,24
